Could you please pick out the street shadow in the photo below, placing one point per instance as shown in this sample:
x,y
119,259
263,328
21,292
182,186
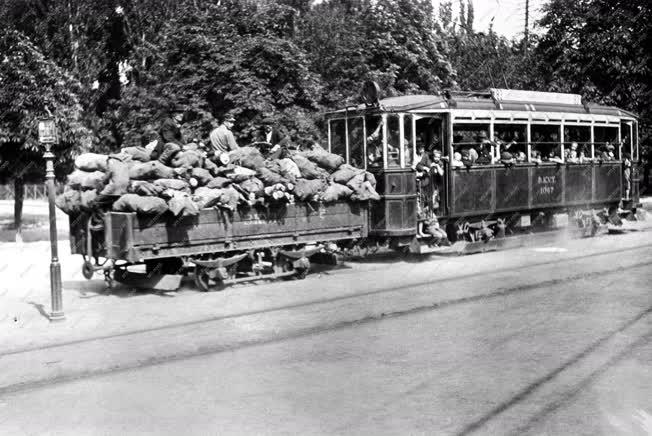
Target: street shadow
x,y
95,289
40,308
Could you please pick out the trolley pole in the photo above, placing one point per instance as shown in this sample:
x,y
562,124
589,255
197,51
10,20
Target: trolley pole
x,y
48,136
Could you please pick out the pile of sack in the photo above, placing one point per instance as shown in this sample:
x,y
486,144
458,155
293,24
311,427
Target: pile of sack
x,y
183,180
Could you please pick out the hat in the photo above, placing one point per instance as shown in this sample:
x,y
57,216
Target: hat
x,y
610,147
228,118
574,146
267,121
482,135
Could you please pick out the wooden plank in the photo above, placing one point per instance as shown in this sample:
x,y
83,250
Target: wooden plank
x,y
608,182
512,188
579,184
473,190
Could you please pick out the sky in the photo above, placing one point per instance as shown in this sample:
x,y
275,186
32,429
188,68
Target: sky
x,y
508,15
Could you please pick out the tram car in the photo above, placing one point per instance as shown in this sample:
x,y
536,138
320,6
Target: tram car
x,y
512,160
506,160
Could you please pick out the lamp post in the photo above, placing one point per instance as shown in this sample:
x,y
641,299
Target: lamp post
x,y
47,132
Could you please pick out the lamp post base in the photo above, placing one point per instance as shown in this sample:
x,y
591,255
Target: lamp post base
x,y
57,316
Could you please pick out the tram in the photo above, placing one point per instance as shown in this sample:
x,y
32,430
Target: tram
x,y
568,158
551,159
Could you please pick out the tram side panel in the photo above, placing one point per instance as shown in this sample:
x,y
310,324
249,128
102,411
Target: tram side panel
x,y
484,191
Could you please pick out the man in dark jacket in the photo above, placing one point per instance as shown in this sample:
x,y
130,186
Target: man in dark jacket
x,y
171,138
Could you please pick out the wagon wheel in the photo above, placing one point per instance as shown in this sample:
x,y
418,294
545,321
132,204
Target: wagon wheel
x,y
87,270
205,282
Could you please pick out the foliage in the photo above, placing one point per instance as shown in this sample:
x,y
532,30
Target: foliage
x,y
600,49
30,86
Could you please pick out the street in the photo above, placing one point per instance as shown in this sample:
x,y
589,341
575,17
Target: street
x,y
539,340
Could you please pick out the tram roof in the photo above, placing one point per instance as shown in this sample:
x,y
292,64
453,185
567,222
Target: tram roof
x,y
470,101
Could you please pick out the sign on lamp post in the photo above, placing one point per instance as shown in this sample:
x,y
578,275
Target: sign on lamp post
x,y
47,135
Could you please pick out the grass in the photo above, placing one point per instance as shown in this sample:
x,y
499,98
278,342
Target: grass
x,y
35,227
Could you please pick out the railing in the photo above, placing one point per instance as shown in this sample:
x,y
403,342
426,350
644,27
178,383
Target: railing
x,y
32,192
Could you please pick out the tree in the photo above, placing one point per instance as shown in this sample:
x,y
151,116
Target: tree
x,y
600,49
31,86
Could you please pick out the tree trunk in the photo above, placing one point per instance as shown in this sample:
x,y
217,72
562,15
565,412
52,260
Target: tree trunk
x,y
19,196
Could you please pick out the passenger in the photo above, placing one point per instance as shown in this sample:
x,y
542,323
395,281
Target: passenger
x,y
535,157
521,157
437,172
485,149
422,162
627,174
469,156
553,158
583,158
457,160
571,155
506,156
222,139
431,228
608,153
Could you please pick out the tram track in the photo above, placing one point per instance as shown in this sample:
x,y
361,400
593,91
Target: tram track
x,y
305,304
146,360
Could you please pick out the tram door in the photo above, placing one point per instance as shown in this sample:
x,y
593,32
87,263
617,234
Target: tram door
x,y
430,132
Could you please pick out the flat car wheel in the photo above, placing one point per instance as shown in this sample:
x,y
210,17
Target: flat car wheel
x,y
204,282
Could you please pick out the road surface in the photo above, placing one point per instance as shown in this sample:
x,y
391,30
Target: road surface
x,y
558,347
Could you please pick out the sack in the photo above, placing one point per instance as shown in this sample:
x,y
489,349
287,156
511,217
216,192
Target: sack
x,y
118,174
269,177
335,192
362,189
252,185
206,197
305,189
230,198
183,205
188,158
289,169
308,169
345,173
202,176
79,179
144,188
87,201
150,170
370,178
210,166
219,182
91,162
167,152
174,184
240,174
69,201
141,205
137,153
248,157
323,158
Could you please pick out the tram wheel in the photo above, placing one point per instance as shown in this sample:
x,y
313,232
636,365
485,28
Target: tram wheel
x,y
204,282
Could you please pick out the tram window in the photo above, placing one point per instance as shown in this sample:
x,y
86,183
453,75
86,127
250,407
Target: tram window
x,y
408,145
511,140
338,137
356,142
472,142
577,144
428,133
546,143
393,141
374,125
626,139
606,143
